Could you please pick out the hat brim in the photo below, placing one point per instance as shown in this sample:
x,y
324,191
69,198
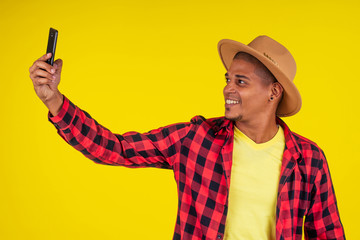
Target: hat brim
x,y
291,101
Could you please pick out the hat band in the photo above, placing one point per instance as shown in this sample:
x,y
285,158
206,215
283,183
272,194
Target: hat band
x,y
266,55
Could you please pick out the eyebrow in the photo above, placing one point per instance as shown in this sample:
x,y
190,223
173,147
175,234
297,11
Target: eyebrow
x,y
238,76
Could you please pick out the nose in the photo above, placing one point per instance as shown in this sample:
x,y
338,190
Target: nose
x,y
229,88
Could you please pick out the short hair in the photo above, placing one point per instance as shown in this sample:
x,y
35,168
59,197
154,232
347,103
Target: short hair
x,y
261,70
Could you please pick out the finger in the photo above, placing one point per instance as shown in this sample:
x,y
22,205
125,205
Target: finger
x,y
45,57
42,74
44,66
41,59
41,81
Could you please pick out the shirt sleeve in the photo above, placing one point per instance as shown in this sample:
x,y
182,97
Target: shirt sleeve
x,y
323,220
156,148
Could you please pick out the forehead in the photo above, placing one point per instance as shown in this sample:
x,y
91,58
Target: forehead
x,y
241,65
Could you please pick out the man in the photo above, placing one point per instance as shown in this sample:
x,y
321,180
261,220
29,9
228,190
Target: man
x,y
242,176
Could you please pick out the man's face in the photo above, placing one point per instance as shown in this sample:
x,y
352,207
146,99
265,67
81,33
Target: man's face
x,y
246,94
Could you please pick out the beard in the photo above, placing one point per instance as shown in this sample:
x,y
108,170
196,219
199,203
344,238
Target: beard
x,y
234,118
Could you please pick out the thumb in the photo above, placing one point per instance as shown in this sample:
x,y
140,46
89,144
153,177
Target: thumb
x,y
58,64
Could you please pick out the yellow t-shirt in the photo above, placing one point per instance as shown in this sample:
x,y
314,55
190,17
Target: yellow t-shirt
x,y
255,174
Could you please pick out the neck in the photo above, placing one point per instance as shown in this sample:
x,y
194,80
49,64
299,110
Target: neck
x,y
260,130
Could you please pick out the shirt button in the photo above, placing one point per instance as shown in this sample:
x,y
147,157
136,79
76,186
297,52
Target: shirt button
x,y
219,236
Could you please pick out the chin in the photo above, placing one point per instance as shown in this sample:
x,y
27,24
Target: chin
x,y
233,117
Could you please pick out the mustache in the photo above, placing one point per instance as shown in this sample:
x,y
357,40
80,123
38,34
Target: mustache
x,y
234,98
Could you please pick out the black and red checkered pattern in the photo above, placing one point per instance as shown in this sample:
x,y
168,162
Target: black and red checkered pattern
x,y
200,154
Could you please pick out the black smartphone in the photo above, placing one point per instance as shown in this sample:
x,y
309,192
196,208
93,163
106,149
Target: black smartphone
x,y
53,34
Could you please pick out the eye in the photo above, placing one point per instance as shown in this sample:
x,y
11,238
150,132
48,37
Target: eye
x,y
227,80
241,81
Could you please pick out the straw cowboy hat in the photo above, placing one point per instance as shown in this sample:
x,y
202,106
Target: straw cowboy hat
x,y
277,59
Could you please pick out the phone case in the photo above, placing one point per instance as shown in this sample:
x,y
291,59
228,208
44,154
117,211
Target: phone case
x,y
53,34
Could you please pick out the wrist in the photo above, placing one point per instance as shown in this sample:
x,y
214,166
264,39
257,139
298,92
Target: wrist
x,y
55,103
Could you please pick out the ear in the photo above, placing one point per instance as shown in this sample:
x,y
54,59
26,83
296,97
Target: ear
x,y
276,92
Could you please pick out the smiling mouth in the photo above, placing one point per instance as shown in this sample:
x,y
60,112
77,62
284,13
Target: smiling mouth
x,y
231,102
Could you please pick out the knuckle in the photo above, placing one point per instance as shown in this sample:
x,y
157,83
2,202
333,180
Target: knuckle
x,y
42,81
36,64
36,72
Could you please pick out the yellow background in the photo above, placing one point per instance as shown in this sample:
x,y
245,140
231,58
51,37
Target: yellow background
x,y
139,65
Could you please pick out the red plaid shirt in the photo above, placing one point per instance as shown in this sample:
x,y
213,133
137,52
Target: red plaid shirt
x,y
200,154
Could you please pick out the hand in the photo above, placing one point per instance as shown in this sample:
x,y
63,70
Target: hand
x,y
46,79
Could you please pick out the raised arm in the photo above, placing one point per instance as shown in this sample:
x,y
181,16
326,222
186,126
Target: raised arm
x,y
157,148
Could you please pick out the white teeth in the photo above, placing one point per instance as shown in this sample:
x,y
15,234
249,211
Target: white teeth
x,y
228,101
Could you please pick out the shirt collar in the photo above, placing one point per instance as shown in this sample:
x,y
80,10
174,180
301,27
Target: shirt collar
x,y
222,124
292,150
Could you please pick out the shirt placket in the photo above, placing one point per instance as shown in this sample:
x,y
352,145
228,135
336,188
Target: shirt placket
x,y
226,160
